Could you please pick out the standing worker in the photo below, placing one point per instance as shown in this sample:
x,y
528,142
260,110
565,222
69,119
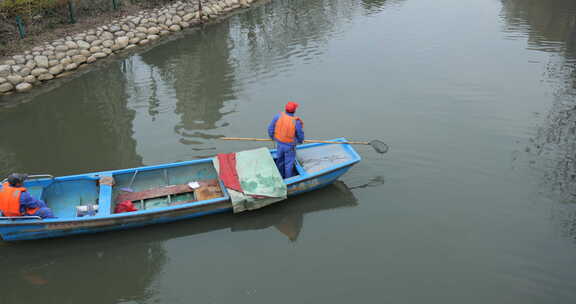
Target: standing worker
x,y
16,201
288,131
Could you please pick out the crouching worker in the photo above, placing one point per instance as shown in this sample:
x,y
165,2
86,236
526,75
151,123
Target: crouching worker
x,y
16,201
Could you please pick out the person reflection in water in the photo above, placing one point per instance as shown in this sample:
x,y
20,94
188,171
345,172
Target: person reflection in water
x,y
16,201
287,131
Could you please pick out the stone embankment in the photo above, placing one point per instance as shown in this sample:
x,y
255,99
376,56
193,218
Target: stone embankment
x,y
62,57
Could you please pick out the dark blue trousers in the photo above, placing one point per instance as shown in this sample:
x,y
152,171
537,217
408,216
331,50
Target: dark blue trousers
x,y
286,160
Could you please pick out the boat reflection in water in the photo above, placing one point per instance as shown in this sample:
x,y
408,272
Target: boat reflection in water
x,y
289,218
68,270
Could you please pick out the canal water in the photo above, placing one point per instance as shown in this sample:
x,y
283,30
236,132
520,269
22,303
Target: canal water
x,y
474,203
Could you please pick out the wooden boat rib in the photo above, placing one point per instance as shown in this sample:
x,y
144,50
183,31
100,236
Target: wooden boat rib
x,y
160,193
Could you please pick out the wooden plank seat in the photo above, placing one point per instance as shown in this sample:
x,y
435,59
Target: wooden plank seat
x,y
207,189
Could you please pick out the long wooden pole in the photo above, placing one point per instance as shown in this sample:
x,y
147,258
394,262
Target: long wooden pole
x,y
306,141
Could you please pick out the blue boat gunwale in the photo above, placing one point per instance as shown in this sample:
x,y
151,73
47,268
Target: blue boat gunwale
x,y
95,176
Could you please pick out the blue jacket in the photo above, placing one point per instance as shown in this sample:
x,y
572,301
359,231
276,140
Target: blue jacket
x,y
299,130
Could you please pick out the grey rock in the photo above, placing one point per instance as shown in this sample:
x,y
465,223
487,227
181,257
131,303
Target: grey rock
x,y
131,46
152,37
66,61
60,56
38,71
122,42
15,79
120,34
107,43
85,53
100,55
71,44
91,59
72,53
107,51
135,40
106,36
96,43
23,87
57,69
83,45
29,57
184,24
48,53
41,61
143,41
71,66
188,17
3,80
175,28
164,32
130,35
30,79
6,87
141,35
141,29
91,38
4,70
19,59
25,71
176,19
45,77
125,27
16,68
95,49
53,62
79,59
31,64
153,31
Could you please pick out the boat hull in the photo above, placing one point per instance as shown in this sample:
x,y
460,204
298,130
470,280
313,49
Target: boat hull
x,y
25,230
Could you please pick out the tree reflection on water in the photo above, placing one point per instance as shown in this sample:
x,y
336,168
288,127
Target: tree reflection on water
x,y
551,27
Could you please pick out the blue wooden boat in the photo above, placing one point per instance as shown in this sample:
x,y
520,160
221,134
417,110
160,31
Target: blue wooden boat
x,y
318,165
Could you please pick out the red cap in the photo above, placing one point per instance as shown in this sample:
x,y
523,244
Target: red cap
x,y
291,107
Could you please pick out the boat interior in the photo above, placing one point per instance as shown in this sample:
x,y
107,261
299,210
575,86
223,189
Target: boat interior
x,y
148,188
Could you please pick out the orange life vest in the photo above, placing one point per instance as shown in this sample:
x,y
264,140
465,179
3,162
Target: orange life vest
x,y
285,128
10,201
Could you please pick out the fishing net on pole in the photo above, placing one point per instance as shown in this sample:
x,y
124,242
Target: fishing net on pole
x,y
379,146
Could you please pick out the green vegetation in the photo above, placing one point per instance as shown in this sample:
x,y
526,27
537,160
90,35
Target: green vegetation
x,y
11,8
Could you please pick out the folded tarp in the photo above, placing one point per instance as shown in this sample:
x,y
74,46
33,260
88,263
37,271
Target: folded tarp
x,y
261,183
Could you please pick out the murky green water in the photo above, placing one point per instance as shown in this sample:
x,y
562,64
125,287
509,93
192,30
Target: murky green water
x,y
475,202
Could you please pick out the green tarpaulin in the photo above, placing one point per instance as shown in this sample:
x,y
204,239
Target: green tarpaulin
x,y
261,182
